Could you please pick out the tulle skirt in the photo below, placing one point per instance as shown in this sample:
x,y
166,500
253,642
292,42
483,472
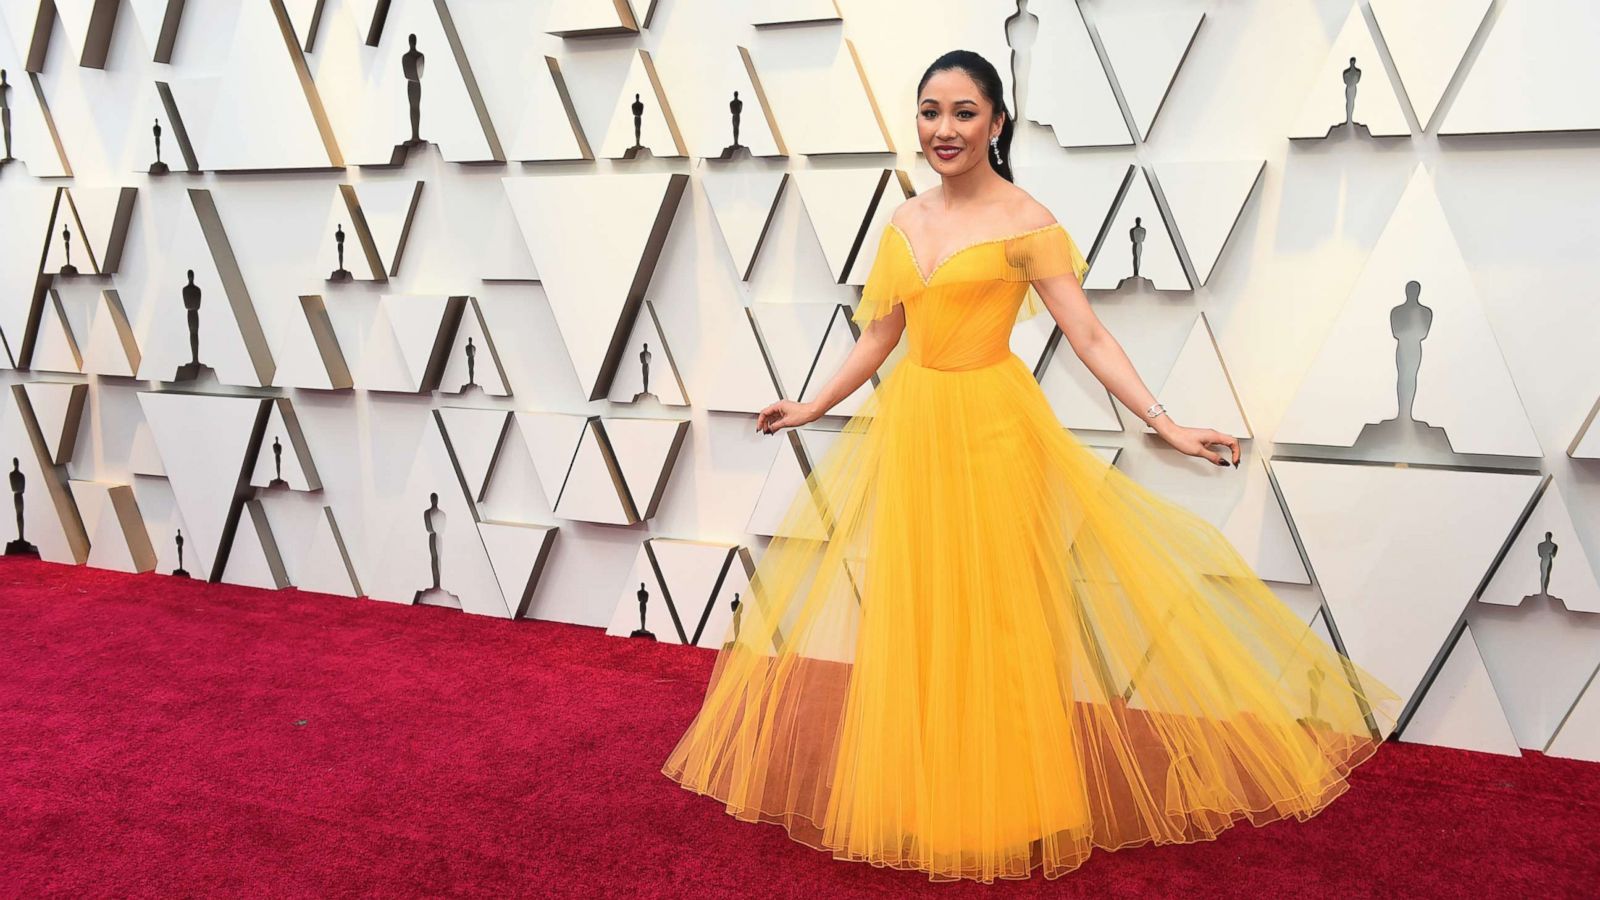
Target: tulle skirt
x,y
976,649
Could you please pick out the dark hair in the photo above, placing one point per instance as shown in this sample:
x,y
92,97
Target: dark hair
x,y
982,73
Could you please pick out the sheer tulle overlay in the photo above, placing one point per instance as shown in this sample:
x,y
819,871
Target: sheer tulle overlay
x,y
976,649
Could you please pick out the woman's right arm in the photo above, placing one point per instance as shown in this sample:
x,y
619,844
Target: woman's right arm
x,y
877,340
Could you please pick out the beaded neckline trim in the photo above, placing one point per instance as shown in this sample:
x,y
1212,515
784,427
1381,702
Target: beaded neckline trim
x,y
928,278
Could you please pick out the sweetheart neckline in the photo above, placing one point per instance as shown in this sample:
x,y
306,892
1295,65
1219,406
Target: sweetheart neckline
x,y
927,280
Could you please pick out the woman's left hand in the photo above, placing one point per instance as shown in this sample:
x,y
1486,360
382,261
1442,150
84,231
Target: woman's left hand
x,y
1195,441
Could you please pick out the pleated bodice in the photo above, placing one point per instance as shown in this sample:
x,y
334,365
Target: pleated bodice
x,y
960,315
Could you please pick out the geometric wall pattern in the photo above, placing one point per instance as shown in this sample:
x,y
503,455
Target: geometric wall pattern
x,y
1416,293
1351,88
1513,87
467,277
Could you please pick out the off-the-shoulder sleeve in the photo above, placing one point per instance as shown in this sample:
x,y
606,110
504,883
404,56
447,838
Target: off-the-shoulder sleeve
x,y
886,283
1040,254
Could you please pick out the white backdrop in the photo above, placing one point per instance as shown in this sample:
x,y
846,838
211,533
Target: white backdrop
x,y
1278,241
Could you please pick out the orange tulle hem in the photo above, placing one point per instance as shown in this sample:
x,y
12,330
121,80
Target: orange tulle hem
x,y
807,831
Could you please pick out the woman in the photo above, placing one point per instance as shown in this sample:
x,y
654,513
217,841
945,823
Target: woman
x,y
973,648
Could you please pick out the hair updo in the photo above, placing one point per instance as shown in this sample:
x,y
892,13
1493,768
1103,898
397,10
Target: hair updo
x,y
984,75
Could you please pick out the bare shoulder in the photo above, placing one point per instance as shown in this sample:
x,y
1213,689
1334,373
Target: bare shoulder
x,y
912,209
1030,213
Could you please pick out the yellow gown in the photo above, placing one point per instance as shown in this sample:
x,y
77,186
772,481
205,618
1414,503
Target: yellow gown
x,y
975,649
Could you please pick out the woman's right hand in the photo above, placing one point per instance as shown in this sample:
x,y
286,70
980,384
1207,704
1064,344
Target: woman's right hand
x,y
785,414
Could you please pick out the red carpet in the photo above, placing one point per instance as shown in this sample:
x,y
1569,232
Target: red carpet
x,y
165,737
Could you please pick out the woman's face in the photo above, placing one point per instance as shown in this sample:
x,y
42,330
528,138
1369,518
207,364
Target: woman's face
x,y
955,122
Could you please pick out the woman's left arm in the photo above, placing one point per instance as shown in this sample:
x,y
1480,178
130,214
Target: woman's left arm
x,y
1063,296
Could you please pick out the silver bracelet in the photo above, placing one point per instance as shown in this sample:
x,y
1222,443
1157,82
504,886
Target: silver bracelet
x,y
1155,409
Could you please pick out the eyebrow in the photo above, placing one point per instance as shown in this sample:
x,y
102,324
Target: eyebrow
x,y
957,103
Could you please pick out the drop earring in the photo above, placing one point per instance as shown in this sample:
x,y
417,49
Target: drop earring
x,y
994,144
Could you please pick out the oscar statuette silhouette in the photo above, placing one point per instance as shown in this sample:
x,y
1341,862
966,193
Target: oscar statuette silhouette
x,y
1352,77
1547,559
277,465
66,239
1409,322
158,167
735,111
472,368
435,521
19,482
637,106
5,116
180,571
411,64
340,274
1136,235
641,631
644,370
192,369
